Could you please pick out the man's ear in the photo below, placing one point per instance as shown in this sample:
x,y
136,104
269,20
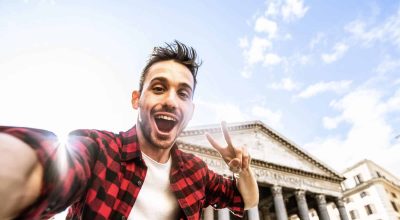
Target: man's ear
x,y
135,99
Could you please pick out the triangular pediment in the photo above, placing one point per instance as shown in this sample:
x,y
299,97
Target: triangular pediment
x,y
263,143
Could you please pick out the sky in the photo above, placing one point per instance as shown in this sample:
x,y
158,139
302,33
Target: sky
x,y
325,74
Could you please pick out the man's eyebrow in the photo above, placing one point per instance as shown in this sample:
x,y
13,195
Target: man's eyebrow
x,y
165,80
160,78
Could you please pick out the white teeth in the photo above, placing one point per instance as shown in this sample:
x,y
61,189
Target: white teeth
x,y
165,117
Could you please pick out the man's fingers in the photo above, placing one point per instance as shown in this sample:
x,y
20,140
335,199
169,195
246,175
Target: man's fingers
x,y
213,142
239,154
226,134
246,160
235,166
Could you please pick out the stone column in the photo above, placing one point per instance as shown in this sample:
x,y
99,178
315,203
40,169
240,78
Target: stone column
x,y
280,209
322,210
223,214
342,209
209,213
253,213
302,204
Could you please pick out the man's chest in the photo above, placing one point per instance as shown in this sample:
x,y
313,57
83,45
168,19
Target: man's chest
x,y
115,187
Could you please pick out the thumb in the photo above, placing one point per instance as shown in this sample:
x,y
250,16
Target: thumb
x,y
235,166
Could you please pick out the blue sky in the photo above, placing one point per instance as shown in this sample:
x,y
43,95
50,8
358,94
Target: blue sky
x,y
325,74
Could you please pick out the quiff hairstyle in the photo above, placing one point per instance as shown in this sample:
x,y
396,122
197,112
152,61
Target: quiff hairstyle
x,y
177,52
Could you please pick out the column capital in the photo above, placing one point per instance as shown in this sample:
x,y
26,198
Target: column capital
x,y
320,199
339,202
276,190
300,193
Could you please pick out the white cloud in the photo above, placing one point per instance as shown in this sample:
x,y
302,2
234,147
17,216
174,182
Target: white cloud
x,y
229,112
272,59
271,118
316,40
338,51
272,9
246,72
331,123
370,135
334,86
288,36
285,84
388,31
302,59
388,65
267,26
293,9
393,103
257,49
253,53
208,112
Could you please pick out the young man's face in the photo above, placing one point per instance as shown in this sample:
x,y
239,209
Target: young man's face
x,y
165,104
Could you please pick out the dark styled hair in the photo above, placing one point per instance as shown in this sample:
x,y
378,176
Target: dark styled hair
x,y
177,52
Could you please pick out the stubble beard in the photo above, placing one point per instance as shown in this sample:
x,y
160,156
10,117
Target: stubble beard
x,y
151,139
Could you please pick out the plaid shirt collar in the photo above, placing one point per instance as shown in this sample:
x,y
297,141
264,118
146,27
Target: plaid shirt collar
x,y
130,145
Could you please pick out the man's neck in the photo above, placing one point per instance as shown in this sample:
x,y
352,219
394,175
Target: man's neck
x,y
158,154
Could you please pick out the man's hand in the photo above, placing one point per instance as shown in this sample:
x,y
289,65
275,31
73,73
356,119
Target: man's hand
x,y
238,161
20,176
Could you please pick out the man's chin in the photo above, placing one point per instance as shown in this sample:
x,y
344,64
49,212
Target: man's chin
x,y
164,142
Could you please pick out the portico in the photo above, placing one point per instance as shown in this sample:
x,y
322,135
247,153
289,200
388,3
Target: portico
x,y
292,184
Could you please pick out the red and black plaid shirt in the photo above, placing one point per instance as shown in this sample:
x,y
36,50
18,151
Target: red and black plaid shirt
x,y
99,174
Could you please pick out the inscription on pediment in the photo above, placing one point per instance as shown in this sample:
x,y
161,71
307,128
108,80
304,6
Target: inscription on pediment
x,y
273,177
263,147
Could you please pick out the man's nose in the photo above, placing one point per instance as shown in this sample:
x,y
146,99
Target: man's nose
x,y
171,100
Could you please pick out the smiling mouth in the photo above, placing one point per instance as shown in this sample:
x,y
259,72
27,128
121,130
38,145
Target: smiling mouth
x,y
165,123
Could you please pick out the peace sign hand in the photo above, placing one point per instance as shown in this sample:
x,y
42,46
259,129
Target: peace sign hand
x,y
237,158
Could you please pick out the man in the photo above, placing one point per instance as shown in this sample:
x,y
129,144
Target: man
x,y
137,174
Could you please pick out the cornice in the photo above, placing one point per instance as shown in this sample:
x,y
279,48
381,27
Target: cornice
x,y
368,184
259,163
258,125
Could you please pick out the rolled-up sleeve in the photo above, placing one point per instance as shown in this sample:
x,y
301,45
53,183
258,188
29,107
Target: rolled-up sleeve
x,y
222,192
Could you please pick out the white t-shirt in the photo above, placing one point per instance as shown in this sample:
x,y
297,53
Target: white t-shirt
x,y
155,199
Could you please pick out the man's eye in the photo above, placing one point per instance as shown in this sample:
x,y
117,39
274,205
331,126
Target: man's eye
x,y
158,89
184,95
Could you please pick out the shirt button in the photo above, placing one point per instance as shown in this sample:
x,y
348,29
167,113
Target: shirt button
x,y
139,183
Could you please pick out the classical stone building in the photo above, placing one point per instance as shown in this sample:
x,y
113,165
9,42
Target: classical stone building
x,y
371,192
292,183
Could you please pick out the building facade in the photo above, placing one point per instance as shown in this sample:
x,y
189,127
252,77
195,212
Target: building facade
x,y
292,183
371,192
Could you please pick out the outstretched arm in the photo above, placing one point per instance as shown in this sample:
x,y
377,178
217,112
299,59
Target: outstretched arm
x,y
238,161
21,176
41,175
